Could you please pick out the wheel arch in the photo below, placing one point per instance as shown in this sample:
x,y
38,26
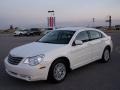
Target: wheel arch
x,y
64,59
108,47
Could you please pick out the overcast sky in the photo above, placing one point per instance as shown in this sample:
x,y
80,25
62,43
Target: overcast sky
x,y
29,13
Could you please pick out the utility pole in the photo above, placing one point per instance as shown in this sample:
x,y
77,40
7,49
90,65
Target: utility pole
x,y
93,20
110,22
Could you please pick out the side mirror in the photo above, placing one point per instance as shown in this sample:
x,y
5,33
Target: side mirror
x,y
78,42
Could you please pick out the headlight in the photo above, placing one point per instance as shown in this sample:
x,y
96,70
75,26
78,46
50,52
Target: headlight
x,y
32,61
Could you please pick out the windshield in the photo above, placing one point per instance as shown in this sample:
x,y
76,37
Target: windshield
x,y
58,37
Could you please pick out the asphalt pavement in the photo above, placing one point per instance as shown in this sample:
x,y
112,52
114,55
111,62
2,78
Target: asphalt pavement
x,y
95,76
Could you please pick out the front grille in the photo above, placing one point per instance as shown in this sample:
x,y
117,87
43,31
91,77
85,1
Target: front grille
x,y
14,60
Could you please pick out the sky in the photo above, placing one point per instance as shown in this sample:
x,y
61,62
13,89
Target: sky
x,y
34,13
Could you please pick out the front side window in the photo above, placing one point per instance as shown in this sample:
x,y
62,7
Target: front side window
x,y
94,35
58,37
83,36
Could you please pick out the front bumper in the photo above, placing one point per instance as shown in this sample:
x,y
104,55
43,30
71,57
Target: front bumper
x,y
26,72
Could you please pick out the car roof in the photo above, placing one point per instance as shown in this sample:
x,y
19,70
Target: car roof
x,y
76,28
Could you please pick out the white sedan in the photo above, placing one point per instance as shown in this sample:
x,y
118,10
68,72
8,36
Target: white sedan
x,y
58,52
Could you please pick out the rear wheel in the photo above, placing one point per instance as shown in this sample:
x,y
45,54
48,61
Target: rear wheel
x,y
106,55
58,71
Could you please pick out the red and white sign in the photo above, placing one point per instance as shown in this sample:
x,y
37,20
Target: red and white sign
x,y
51,22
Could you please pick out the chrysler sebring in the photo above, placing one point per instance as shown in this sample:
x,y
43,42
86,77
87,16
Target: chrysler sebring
x,y
58,52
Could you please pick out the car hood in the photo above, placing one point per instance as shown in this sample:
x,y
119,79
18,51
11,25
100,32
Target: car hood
x,y
34,48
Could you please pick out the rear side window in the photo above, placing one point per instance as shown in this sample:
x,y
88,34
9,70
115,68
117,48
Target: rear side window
x,y
83,36
95,34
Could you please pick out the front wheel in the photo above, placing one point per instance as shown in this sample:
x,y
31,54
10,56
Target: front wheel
x,y
58,72
106,55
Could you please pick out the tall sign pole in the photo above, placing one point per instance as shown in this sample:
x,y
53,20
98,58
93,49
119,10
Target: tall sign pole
x,y
51,19
110,22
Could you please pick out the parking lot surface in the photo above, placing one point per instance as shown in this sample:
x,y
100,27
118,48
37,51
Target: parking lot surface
x,y
95,76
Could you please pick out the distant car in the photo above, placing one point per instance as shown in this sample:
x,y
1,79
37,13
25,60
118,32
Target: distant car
x,y
34,31
21,32
57,52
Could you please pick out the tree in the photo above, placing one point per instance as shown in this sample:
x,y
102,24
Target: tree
x,y
11,26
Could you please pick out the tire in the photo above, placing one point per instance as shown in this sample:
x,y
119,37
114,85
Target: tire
x,y
20,34
106,55
57,72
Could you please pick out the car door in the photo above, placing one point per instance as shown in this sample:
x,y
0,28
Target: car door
x,y
80,54
96,44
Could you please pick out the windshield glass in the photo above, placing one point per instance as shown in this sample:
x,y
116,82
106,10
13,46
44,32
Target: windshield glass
x,y
58,37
